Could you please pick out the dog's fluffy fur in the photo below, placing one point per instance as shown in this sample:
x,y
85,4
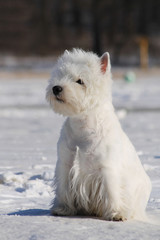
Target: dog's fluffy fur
x,y
98,171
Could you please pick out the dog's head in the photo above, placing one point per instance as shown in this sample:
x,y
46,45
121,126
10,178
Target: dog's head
x,y
80,82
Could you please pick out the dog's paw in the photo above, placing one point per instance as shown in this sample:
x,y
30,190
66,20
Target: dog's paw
x,y
116,216
62,211
119,218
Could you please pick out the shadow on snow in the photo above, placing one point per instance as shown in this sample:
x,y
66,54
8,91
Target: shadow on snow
x,y
31,212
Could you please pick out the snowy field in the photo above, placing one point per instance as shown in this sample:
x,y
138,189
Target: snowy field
x,y
29,132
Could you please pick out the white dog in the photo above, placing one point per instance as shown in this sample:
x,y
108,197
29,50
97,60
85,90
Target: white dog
x,y
98,171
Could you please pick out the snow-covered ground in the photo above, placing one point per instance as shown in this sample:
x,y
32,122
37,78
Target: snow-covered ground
x,y
29,132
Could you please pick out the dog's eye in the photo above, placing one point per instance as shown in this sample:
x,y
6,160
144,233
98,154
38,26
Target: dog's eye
x,y
79,81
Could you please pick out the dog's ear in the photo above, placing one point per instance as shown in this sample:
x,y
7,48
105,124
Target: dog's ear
x,y
105,62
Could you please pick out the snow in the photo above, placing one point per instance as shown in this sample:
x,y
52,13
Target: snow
x,y
29,131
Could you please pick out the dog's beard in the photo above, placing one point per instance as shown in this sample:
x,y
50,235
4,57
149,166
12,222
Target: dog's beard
x,y
68,103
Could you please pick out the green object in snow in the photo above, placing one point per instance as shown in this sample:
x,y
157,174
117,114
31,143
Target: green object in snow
x,y
130,77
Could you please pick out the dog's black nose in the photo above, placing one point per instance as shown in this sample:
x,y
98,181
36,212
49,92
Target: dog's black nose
x,y
57,90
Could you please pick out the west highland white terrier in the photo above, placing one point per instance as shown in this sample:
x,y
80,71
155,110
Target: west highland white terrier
x,y
98,172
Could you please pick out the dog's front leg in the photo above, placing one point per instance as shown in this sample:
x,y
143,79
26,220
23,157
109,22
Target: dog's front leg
x,y
116,209
62,204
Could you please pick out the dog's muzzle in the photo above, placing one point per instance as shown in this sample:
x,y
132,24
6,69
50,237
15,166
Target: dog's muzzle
x,y
57,90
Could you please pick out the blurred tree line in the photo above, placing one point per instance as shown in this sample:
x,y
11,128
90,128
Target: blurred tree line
x,y
47,27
